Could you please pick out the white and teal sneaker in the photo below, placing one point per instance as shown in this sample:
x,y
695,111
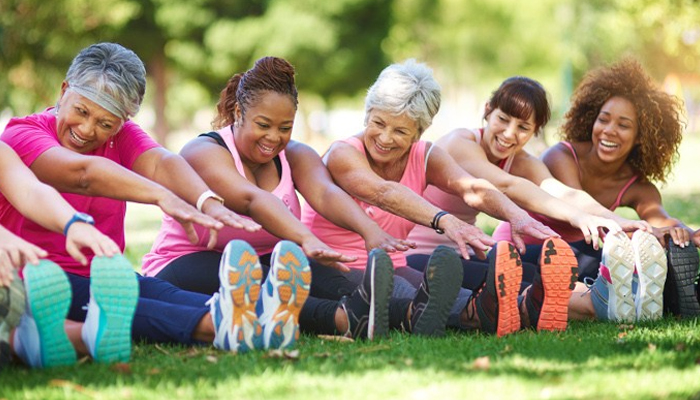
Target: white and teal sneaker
x,y
114,293
233,306
40,339
283,295
12,305
652,269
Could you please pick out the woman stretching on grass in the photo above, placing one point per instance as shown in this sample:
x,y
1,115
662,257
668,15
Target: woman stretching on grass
x,y
620,134
253,163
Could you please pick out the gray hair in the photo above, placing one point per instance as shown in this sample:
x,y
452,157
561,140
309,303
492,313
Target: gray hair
x,y
407,88
110,75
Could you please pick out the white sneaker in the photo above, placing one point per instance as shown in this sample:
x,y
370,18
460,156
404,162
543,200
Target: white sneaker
x,y
12,305
114,293
652,268
40,339
236,324
284,293
618,257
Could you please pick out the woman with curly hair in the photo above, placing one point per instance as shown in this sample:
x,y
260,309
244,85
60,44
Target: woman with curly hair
x,y
621,135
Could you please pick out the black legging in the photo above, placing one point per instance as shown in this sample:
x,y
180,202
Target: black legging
x,y
588,258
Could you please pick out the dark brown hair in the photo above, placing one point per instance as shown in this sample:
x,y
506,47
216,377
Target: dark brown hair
x,y
519,97
270,74
659,115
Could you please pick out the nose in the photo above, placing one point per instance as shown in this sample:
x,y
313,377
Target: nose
x,y
511,130
87,128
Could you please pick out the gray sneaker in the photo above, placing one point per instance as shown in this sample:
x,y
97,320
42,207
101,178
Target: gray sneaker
x,y
12,304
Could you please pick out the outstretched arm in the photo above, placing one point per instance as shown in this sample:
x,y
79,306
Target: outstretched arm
x,y
314,182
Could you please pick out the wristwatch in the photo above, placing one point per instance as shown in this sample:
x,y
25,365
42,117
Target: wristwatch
x,y
78,217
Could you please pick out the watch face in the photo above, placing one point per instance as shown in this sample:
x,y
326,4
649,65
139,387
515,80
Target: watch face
x,y
87,218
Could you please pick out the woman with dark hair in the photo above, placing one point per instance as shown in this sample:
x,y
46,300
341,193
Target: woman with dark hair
x,y
622,133
251,161
516,112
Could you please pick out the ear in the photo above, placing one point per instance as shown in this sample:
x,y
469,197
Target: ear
x,y
64,87
487,110
237,114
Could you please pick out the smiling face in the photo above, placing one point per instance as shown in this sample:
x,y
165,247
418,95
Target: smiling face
x,y
266,128
505,135
389,137
615,129
82,125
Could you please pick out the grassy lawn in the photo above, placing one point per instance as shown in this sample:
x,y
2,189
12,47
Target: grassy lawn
x,y
588,361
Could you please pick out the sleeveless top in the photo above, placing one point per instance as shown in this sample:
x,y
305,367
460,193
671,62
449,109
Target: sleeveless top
x,y
351,243
172,241
567,232
425,237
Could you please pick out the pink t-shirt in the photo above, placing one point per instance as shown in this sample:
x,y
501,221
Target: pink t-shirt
x,y
172,241
30,137
352,244
567,232
425,237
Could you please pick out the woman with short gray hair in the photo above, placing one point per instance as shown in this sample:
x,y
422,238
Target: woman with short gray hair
x,y
385,168
88,149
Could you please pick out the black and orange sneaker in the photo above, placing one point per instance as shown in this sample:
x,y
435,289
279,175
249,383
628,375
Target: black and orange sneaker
x,y
547,300
442,280
367,308
680,297
496,302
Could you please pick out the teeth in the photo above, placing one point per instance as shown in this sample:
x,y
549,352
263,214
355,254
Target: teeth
x,y
266,149
76,138
504,144
383,148
608,144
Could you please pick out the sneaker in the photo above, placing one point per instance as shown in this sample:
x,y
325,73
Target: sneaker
x,y
367,308
114,293
680,297
442,280
12,305
40,338
547,300
283,295
232,308
652,268
496,302
618,257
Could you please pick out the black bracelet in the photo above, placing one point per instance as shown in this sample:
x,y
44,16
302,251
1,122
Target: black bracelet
x,y
436,220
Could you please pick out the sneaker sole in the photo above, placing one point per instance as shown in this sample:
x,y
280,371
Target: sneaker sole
x,y
509,275
618,257
652,268
559,272
290,280
243,262
682,272
115,288
444,273
49,296
12,306
380,295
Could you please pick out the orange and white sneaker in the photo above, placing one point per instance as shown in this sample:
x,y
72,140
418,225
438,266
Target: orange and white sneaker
x,y
284,293
652,269
236,323
547,300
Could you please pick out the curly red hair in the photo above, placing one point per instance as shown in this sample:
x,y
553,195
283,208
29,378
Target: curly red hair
x,y
660,124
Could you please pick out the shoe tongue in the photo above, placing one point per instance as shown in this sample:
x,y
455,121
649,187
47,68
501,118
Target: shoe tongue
x,y
605,272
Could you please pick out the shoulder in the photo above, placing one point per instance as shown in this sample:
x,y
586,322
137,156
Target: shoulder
x,y
560,152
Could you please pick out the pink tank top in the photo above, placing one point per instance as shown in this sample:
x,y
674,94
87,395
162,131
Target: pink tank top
x,y
352,244
567,232
425,237
172,242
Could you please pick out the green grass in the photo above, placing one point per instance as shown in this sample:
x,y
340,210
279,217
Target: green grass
x,y
589,360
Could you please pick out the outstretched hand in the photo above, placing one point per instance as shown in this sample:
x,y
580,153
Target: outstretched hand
x,y
14,253
379,239
464,234
187,216
82,235
323,254
591,226
680,235
528,226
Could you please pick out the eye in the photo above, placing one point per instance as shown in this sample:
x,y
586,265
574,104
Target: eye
x,y
262,125
502,118
286,128
80,111
379,123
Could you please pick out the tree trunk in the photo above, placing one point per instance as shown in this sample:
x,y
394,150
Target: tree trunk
x,y
160,79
